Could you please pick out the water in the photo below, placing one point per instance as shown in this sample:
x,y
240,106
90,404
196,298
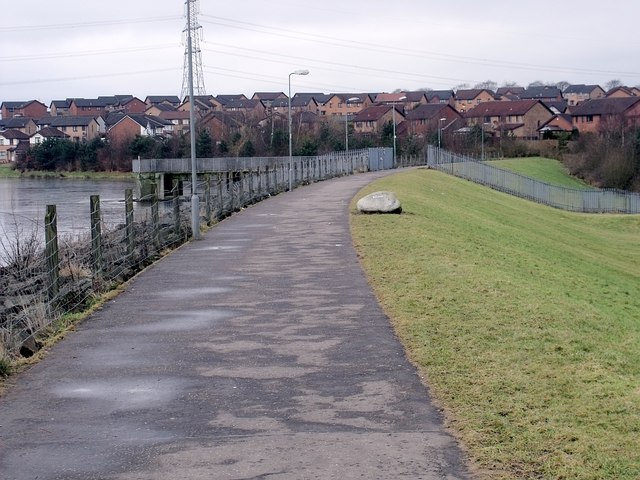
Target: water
x,y
23,204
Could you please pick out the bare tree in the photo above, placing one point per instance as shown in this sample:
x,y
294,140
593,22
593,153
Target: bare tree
x,y
487,85
510,84
613,83
562,85
536,83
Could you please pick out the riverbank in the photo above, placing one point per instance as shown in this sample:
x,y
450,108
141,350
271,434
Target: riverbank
x,y
7,171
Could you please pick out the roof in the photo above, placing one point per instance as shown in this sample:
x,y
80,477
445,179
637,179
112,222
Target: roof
x,y
503,91
14,134
392,97
547,91
101,102
17,105
71,121
164,107
60,103
439,94
295,102
144,120
375,113
154,99
174,115
605,106
470,94
499,109
416,96
428,111
50,132
224,99
242,104
15,122
581,89
268,95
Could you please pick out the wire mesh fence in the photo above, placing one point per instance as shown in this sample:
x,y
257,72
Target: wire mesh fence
x,y
571,199
43,282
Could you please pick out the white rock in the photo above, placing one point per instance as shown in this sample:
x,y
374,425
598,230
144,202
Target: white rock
x,y
379,202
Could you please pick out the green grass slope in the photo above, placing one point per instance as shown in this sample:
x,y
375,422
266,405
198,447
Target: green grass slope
x,y
524,318
543,169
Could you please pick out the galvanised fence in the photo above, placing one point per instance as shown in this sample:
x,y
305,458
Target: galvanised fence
x,y
43,281
571,199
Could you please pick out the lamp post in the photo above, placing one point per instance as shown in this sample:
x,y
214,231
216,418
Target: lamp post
x,y
440,120
346,124
393,113
297,72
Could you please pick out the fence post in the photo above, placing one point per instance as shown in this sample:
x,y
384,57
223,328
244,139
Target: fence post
x,y
207,199
96,237
176,207
51,251
155,219
128,220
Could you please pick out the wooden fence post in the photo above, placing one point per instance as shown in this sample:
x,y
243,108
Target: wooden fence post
x,y
155,219
96,237
51,251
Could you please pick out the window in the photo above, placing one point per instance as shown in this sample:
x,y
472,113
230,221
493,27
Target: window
x,y
75,128
589,118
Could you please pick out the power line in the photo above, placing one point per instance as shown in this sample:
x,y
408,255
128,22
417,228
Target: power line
x,y
88,77
97,23
44,56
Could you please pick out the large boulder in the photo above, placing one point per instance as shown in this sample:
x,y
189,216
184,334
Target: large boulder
x,y
379,202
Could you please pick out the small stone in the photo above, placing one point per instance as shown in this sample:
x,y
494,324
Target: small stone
x,y
379,202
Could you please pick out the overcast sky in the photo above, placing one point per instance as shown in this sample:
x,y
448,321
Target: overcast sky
x,y
86,48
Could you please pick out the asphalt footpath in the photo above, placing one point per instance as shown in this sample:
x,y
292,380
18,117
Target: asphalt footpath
x,y
257,352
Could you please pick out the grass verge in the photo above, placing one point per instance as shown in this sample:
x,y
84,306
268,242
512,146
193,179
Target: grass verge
x,y
523,318
543,169
7,171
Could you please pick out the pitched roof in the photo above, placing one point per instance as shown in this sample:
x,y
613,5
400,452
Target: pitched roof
x,y
242,104
546,91
427,112
439,94
391,97
224,99
174,115
267,95
605,106
69,121
499,109
503,91
15,122
581,88
50,132
60,103
14,134
470,94
375,113
154,99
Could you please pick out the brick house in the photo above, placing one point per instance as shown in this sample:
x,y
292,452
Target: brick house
x,y
79,129
12,143
251,110
576,94
620,92
427,118
609,112
221,125
372,119
546,93
178,118
509,93
299,103
203,104
441,96
268,97
341,104
158,99
24,124
520,118
467,99
59,107
128,126
29,109
559,123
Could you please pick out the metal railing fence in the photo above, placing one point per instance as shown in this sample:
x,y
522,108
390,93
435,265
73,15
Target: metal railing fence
x,y
570,199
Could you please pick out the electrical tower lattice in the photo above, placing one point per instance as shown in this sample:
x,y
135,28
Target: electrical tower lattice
x,y
195,29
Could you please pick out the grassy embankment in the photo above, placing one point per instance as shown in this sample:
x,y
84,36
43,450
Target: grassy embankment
x,y
523,318
544,169
6,171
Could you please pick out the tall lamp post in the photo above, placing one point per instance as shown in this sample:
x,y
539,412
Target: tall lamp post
x,y
297,72
393,113
440,120
346,122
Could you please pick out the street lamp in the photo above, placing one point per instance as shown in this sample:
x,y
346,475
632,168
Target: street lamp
x,y
440,131
297,72
346,125
393,104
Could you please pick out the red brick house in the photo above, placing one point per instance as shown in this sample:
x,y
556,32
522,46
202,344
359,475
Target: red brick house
x,y
520,118
29,109
372,119
428,118
609,112
46,133
221,125
24,124
576,94
131,125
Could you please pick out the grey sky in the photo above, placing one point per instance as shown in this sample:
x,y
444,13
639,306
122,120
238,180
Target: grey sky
x,y
85,48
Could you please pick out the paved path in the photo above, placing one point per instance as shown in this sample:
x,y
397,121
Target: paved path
x,y
258,352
